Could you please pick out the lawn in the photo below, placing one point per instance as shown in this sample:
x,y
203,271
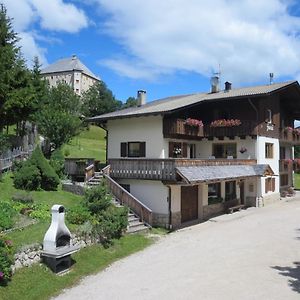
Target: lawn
x,y
297,181
35,233
38,282
90,143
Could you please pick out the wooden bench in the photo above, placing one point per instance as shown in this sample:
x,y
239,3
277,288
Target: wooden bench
x,y
235,208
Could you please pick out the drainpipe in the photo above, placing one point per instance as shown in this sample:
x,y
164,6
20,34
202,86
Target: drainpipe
x,y
169,208
256,111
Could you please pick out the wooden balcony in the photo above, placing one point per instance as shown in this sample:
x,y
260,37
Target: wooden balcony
x,y
176,128
289,136
285,166
163,169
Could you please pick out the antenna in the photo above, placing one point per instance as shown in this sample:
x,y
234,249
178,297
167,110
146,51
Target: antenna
x,y
271,78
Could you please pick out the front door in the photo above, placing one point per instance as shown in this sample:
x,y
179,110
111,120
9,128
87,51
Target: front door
x,y
189,203
242,192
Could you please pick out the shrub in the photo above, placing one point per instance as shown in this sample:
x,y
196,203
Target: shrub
x,y
35,173
5,260
78,215
57,162
112,223
98,199
22,198
17,165
67,152
7,214
28,178
40,211
49,179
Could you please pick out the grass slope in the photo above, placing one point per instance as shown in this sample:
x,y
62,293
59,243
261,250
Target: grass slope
x,y
89,143
38,282
34,233
297,181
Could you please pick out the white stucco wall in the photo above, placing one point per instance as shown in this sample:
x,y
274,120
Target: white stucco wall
x,y
143,129
152,193
204,148
273,162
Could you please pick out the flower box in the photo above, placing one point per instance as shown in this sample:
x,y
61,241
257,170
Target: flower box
x,y
226,123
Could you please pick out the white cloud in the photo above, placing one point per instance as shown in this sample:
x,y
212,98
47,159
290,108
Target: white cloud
x,y
248,38
59,16
30,49
54,15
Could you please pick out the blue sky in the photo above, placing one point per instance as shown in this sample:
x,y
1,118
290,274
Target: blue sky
x,y
166,47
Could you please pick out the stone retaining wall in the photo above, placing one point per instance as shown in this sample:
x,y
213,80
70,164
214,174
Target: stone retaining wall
x,y
32,254
73,188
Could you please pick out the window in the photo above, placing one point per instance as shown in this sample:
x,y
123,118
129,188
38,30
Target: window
x,y
77,81
251,188
177,149
269,185
269,150
214,193
230,190
192,151
224,150
133,149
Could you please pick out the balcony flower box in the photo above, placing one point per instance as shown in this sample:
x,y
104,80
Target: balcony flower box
x,y
226,123
193,122
288,133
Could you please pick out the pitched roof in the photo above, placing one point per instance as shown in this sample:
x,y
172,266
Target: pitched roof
x,y
176,102
68,64
215,173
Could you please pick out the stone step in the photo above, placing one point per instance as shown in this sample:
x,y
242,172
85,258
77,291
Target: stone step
x,y
135,223
132,217
137,229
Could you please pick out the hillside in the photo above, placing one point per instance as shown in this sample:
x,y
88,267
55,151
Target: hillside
x,y
89,143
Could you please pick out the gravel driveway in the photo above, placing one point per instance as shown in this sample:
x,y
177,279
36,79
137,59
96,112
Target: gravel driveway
x,y
253,254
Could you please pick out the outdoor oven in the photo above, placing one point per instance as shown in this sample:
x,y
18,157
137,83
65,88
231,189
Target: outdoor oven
x,y
57,248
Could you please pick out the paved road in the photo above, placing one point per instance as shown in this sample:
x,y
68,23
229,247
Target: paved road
x,y
253,254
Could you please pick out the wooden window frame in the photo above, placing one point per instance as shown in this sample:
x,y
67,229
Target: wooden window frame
x,y
232,196
224,145
125,149
269,185
269,150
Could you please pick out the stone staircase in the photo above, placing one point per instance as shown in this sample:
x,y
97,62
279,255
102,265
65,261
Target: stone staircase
x,y
134,223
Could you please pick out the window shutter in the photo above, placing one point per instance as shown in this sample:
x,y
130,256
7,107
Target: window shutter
x,y
273,184
123,149
266,185
171,149
142,149
184,149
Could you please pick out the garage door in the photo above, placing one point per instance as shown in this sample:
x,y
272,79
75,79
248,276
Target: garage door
x,y
189,203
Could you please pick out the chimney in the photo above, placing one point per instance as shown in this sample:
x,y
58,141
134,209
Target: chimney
x,y
271,77
74,57
227,86
214,81
141,97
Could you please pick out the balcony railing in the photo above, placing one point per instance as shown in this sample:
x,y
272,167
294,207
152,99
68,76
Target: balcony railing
x,y
178,128
289,136
163,169
285,166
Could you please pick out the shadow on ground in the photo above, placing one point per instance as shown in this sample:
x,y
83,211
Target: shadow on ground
x,y
293,273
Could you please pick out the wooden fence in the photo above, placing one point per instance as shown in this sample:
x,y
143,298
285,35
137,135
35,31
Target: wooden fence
x,y
7,158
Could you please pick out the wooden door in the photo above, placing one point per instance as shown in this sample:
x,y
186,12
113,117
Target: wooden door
x,y
189,203
242,192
